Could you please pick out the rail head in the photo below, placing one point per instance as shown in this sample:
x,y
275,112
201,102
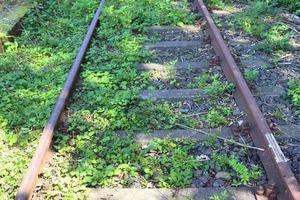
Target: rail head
x,y
274,161
30,179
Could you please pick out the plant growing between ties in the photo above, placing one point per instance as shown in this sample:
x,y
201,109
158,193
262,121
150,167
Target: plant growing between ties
x,y
251,75
32,72
222,196
244,174
294,93
213,86
218,116
254,20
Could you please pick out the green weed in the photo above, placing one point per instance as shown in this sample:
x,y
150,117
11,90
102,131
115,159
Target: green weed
x,y
111,160
213,86
279,115
107,101
294,93
219,4
251,75
243,173
222,196
218,116
292,5
255,20
210,141
32,72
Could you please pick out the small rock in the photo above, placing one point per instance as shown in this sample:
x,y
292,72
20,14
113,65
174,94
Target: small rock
x,y
202,158
296,150
218,183
151,154
204,180
216,167
196,183
208,151
240,122
298,168
136,185
184,110
222,152
198,173
294,165
255,157
291,119
223,175
295,159
236,112
290,150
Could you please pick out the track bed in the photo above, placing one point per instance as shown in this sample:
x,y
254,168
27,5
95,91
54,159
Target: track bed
x,y
154,116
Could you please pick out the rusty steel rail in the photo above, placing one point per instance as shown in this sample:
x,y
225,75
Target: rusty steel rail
x,y
29,181
274,161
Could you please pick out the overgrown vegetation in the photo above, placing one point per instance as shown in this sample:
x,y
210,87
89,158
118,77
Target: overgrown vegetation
x,y
88,151
251,75
218,116
222,196
35,66
114,161
218,4
32,72
294,93
244,173
213,86
292,5
259,20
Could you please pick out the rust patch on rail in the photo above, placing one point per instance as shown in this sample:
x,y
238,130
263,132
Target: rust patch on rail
x,y
275,164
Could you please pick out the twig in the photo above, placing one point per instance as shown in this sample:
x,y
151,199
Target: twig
x,y
195,114
242,139
219,137
197,105
266,95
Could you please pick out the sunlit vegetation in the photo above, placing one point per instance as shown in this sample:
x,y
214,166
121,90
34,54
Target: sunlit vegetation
x,y
244,174
222,196
251,75
32,71
292,5
212,84
34,68
259,20
218,116
218,4
294,93
107,101
88,151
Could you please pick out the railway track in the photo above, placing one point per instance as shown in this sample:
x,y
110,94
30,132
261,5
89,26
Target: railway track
x,y
281,182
